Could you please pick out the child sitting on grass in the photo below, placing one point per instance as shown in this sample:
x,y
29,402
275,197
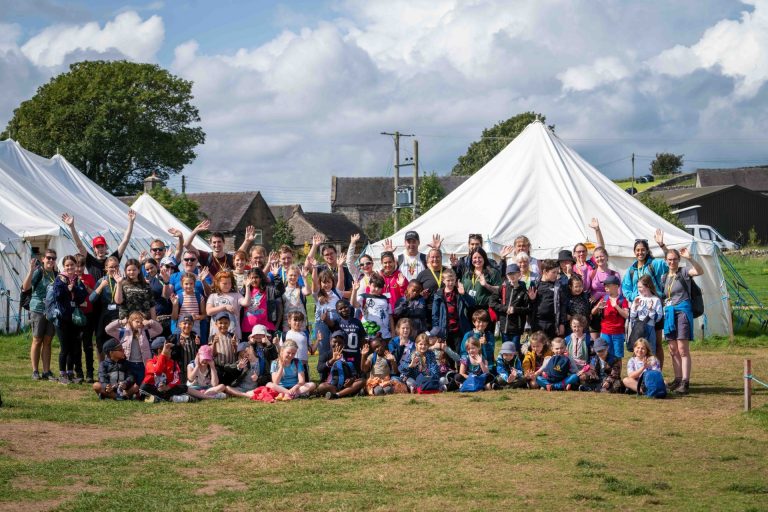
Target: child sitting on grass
x,y
474,363
534,358
382,368
419,364
115,381
251,368
288,374
480,321
577,343
509,367
403,342
342,376
202,375
558,372
604,370
643,360
162,379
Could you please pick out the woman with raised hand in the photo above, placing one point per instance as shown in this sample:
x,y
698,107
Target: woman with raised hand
x,y
69,292
584,265
40,275
482,280
678,314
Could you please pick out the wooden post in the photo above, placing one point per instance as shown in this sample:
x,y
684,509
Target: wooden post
x,y
747,385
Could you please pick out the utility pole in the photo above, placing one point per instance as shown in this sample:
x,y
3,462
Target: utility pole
x,y
183,184
395,205
415,177
632,184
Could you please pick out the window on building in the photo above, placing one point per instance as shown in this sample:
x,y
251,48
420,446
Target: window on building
x,y
259,240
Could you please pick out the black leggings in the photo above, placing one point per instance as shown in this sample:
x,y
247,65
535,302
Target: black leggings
x,y
87,343
69,340
165,395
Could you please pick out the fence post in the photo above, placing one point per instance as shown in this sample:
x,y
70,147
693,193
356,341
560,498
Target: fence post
x,y
7,311
747,385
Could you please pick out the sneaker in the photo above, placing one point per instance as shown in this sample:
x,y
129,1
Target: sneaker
x,y
49,376
220,396
682,389
180,399
64,379
674,384
331,396
568,387
90,380
584,387
36,375
76,380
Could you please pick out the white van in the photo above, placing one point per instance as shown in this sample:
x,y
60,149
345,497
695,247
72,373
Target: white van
x,y
704,232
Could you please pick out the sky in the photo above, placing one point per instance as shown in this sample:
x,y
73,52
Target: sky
x,y
292,93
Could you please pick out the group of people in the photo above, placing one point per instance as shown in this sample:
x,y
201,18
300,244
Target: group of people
x,y
196,325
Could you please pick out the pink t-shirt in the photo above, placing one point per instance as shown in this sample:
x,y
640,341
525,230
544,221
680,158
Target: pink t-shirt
x,y
256,312
598,282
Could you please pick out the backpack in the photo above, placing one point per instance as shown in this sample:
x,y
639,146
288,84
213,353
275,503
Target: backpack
x,y
272,304
52,312
694,292
652,385
340,372
427,384
558,368
473,383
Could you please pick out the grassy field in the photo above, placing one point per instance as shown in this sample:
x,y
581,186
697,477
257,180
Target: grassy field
x,y
62,449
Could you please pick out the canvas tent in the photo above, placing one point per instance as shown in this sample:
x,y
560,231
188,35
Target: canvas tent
x,y
539,187
35,191
148,207
15,256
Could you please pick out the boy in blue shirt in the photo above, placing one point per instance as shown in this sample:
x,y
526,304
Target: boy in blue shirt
x,y
509,368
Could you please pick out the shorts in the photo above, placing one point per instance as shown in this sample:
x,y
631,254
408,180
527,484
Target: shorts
x,y
682,328
41,326
615,344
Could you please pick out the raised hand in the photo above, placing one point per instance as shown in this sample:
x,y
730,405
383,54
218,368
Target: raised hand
x,y
165,273
659,237
143,256
454,259
204,272
341,259
460,287
685,253
68,219
401,280
174,299
131,215
532,293
119,278
317,239
355,284
594,224
250,233
175,233
353,240
203,226
506,251
388,245
365,350
437,241
388,355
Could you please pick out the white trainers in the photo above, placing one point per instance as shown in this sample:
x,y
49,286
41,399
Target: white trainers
x,y
180,399
220,396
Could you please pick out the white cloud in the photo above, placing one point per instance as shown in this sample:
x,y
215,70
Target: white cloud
x,y
735,48
602,71
127,34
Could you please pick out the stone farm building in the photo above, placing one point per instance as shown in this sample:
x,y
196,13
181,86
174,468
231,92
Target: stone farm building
x,y
335,228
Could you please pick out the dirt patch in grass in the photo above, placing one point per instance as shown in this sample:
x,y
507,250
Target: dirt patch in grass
x,y
44,440
76,486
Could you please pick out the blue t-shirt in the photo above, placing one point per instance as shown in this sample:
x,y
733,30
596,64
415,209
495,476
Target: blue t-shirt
x,y
290,374
175,281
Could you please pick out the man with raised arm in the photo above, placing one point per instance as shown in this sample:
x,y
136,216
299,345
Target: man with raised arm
x,y
217,259
412,262
95,263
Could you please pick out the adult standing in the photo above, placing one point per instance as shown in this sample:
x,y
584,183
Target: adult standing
x,y
38,278
331,261
582,264
482,281
218,259
412,262
103,300
69,292
646,264
463,265
95,263
520,244
597,281
395,282
431,278
678,314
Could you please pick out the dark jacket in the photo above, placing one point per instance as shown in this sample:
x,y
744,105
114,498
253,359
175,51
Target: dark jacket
x,y
516,297
440,313
65,298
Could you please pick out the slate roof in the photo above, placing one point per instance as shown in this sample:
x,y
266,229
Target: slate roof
x,y
224,209
753,178
334,226
284,211
378,191
677,196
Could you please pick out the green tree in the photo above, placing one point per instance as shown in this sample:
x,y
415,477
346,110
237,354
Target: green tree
x,y
666,163
660,207
183,208
283,233
493,140
387,228
430,192
115,121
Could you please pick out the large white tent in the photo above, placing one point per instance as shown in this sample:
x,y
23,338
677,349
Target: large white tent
x,y
148,207
15,256
35,191
539,187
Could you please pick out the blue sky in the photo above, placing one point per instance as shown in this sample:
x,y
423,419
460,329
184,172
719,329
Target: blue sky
x,y
291,93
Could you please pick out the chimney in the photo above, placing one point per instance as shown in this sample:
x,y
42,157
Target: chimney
x,y
151,182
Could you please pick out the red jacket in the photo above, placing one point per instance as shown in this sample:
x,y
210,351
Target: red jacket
x,y
393,289
613,322
162,370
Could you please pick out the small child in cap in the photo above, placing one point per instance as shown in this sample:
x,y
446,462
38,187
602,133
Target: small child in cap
x,y
115,380
202,375
162,376
509,367
185,342
264,349
604,373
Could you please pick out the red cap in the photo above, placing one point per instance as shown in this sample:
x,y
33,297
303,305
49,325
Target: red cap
x,y
98,240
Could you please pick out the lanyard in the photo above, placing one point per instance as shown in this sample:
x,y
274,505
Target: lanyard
x,y
438,279
112,289
669,287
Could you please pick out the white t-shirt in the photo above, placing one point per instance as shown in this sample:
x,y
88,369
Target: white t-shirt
x,y
301,340
411,266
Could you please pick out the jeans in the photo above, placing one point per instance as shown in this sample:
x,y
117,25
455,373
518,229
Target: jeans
x,y
137,371
571,380
615,344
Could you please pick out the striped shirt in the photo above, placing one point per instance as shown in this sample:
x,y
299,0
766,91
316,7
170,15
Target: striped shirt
x,y
223,344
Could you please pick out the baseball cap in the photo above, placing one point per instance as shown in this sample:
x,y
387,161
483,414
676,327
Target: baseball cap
x,y
110,345
158,343
169,261
508,347
187,318
220,315
611,280
600,344
411,235
98,240
513,268
205,353
339,334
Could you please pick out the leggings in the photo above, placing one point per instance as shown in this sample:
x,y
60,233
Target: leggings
x,y
165,395
69,340
87,343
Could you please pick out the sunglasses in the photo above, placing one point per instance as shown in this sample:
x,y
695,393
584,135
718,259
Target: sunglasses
x,y
366,263
157,249
50,258
641,240
190,260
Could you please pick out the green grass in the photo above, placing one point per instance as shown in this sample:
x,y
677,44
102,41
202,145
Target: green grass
x,y
62,447
624,184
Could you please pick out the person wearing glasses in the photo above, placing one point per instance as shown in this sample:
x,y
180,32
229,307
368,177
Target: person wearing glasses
x,y
38,278
331,264
158,251
218,260
95,263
